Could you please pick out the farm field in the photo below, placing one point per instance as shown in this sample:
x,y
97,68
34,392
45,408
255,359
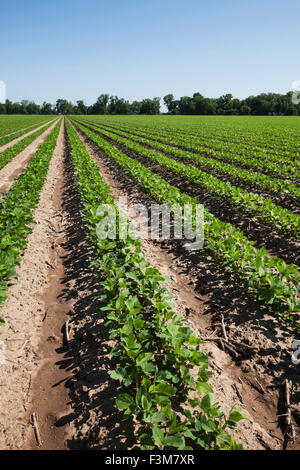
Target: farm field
x,y
129,343
10,124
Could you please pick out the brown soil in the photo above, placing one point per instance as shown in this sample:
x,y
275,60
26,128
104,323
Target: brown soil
x,y
15,167
15,141
96,422
225,160
201,299
253,229
63,383
15,131
68,384
34,318
281,200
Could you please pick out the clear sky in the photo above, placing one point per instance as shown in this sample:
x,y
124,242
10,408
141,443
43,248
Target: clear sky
x,y
77,49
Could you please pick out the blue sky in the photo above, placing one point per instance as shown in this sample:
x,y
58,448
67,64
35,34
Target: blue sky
x,y
77,49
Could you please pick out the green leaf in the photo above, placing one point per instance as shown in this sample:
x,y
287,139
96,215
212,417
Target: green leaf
x,y
177,441
236,415
119,374
195,402
188,433
158,417
203,387
158,436
223,438
147,442
163,389
124,401
207,402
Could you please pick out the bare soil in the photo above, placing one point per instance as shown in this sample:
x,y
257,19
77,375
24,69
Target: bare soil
x,y
202,153
202,293
253,228
63,382
68,384
34,318
281,199
15,167
14,132
15,141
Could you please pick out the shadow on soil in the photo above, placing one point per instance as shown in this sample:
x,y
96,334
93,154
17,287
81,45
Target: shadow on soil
x,y
95,415
97,421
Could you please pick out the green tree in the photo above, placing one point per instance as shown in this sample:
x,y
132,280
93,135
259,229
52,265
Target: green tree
x,y
46,108
64,107
100,107
80,107
168,101
150,106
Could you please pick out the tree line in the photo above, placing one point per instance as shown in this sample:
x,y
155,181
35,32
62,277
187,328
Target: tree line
x,y
272,104
105,104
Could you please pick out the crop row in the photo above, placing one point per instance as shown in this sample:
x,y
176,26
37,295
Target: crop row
x,y
16,211
224,150
280,169
279,136
7,155
259,180
238,146
282,141
279,219
15,135
158,360
14,123
269,279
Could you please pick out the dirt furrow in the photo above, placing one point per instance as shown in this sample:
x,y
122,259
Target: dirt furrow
x,y
96,421
66,383
198,291
14,132
223,159
33,323
16,166
15,141
252,227
281,199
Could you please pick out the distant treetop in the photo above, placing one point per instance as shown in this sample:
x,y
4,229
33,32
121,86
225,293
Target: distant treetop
x,y
272,104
